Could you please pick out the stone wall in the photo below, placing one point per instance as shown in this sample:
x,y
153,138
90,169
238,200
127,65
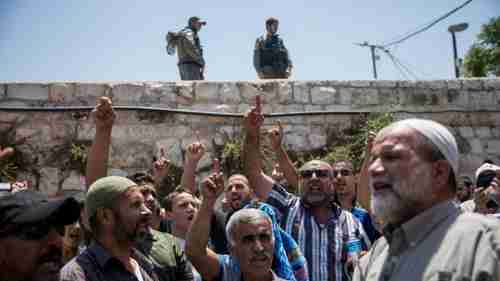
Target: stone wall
x,y
471,108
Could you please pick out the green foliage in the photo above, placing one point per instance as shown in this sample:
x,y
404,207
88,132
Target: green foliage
x,y
232,161
351,145
8,169
78,157
483,58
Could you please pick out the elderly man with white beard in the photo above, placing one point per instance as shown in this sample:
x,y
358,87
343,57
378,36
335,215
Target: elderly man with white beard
x,y
426,237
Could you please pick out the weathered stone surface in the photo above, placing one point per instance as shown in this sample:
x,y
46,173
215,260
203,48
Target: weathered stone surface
x,y
493,146
483,132
476,145
471,111
49,178
301,92
28,91
492,84
3,92
466,132
61,93
472,84
322,95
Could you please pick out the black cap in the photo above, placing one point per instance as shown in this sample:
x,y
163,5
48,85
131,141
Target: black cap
x,y
193,19
26,207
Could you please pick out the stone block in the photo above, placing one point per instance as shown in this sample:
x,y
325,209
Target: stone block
x,y
407,84
49,178
476,145
285,92
345,96
185,93
492,84
230,94
206,92
127,94
317,141
249,92
87,93
481,99
384,84
466,132
483,132
472,84
74,181
301,92
365,97
3,92
61,93
388,97
159,94
433,84
495,131
359,83
28,91
454,84
493,146
322,95
458,97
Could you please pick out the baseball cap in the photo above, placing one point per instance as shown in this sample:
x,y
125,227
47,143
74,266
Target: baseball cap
x,y
193,19
31,207
103,193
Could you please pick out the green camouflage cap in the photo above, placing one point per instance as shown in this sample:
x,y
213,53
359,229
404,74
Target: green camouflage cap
x,y
104,192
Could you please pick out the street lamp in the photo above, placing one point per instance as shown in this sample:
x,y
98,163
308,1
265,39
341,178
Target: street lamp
x,y
452,29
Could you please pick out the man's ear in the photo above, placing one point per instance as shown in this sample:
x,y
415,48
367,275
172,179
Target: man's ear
x,y
441,172
105,215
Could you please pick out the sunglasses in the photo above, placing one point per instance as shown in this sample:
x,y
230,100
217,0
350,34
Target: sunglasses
x,y
343,172
492,204
485,179
34,231
307,174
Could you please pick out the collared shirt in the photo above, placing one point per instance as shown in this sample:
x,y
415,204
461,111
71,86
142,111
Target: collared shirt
x,y
230,270
97,264
326,247
441,243
166,255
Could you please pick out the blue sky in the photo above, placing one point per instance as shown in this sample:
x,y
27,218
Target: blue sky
x,y
124,40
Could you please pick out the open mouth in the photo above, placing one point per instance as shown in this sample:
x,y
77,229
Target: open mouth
x,y
190,217
379,186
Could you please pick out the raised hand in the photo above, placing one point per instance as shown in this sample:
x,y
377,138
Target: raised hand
x,y
6,152
253,118
369,141
195,151
213,185
161,166
104,114
276,136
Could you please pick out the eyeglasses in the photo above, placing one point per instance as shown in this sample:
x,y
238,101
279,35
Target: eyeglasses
x,y
306,174
485,179
343,172
34,231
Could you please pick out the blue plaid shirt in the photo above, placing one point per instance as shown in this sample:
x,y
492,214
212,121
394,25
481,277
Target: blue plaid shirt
x,y
326,247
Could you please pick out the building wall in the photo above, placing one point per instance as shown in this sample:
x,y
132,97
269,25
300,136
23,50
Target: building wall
x,y
470,108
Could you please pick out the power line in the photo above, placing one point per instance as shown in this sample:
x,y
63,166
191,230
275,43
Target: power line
x,y
428,26
398,68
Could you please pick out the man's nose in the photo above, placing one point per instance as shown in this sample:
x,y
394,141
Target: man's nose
x,y
376,168
145,210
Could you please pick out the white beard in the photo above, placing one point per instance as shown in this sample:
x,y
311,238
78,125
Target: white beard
x,y
399,203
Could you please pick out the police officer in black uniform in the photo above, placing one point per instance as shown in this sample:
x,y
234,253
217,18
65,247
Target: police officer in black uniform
x,y
271,59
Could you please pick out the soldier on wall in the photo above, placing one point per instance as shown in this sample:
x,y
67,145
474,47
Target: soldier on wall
x,y
189,50
271,59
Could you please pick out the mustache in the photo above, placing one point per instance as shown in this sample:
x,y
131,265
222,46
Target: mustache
x,y
260,255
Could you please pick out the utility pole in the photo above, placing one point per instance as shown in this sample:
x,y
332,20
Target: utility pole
x,y
374,57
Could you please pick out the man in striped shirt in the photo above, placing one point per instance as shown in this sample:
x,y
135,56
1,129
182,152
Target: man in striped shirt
x,y
327,235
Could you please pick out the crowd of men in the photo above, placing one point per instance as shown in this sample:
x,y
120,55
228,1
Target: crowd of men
x,y
406,215
271,59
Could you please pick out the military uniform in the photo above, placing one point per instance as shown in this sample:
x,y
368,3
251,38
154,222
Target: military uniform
x,y
271,58
189,51
442,243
